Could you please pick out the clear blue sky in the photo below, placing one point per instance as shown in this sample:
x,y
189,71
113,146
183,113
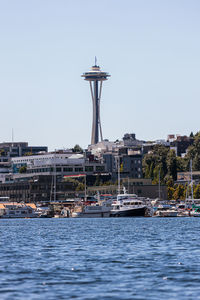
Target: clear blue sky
x,y
151,48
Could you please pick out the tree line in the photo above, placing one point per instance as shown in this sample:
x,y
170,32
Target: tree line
x,y
162,163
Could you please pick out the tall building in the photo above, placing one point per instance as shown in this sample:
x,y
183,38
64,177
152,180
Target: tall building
x,y
96,77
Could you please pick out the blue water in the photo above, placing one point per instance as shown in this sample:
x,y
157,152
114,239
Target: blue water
x,y
117,258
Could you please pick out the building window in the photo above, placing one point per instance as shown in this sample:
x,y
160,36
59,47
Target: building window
x,y
89,168
78,169
67,169
100,168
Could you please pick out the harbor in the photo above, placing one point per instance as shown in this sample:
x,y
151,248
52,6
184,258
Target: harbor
x,y
102,206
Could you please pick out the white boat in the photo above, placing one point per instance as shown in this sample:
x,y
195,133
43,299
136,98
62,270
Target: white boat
x,y
128,205
93,211
166,210
18,210
195,212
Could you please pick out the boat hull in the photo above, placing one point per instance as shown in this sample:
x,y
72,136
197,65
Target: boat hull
x,y
91,215
135,212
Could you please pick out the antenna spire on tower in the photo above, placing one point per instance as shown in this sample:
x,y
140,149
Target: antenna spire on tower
x,y
95,61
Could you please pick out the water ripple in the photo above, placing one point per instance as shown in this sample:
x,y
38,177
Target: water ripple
x,y
122,258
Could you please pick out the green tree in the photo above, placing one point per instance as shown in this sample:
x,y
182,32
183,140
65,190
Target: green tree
x,y
181,164
171,164
28,154
197,192
170,193
179,192
97,181
155,162
170,188
194,153
23,169
77,148
80,187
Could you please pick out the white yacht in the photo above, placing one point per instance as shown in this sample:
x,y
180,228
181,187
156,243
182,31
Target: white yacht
x,y
18,210
128,205
166,210
97,210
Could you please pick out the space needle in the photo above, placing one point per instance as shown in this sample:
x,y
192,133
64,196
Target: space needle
x,y
96,77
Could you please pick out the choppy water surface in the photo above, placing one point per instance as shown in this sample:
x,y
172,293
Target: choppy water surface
x,y
122,258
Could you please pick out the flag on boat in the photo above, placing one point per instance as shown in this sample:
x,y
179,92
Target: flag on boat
x,y
74,176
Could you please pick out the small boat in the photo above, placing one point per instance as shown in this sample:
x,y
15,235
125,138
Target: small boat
x,y
166,210
195,212
183,210
18,210
128,205
97,210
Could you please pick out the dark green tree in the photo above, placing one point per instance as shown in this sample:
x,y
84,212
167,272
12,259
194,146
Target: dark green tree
x,y
179,193
172,164
197,192
155,163
77,149
194,153
23,169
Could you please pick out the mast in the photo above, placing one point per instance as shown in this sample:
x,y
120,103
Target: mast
x,y
191,180
118,175
159,185
128,186
85,188
54,177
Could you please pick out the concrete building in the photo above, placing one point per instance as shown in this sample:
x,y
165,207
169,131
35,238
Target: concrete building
x,y
10,150
141,187
185,177
36,189
55,163
17,149
132,166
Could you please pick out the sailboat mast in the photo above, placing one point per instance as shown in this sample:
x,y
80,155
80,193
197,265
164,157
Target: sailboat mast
x,y
54,177
85,188
118,175
191,180
159,185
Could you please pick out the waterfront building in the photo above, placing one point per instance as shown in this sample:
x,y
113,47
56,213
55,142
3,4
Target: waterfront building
x,y
39,188
96,77
55,163
36,189
140,186
185,177
9,150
